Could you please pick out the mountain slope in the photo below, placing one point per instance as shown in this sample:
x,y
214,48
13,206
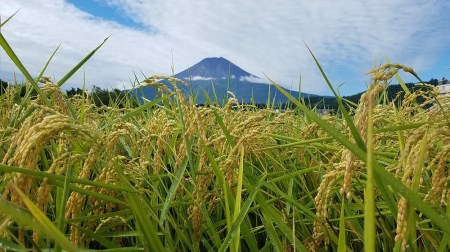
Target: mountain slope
x,y
213,68
217,76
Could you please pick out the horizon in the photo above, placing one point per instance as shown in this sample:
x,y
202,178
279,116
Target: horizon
x,y
262,39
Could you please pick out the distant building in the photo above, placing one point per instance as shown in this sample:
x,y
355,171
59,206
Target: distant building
x,y
443,81
444,88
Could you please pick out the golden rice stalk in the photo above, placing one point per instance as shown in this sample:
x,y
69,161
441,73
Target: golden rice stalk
x,y
76,200
43,192
155,81
321,202
387,71
27,145
419,144
42,126
56,95
203,179
349,159
112,153
160,127
402,221
162,144
196,218
58,166
439,178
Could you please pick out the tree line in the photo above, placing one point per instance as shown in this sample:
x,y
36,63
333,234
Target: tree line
x,y
119,98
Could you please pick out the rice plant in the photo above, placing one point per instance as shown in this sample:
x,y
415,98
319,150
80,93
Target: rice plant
x,y
167,175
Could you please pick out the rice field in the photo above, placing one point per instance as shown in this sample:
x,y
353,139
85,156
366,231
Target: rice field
x,y
170,176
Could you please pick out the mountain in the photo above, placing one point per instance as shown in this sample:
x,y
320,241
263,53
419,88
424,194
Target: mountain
x,y
213,68
217,76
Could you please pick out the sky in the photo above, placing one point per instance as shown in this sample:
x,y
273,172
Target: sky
x,y
349,37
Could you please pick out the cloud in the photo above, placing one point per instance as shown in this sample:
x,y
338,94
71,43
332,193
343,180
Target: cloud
x,y
253,79
231,77
195,78
260,37
33,35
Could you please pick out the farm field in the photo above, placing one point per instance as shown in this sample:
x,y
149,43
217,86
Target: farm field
x,y
167,175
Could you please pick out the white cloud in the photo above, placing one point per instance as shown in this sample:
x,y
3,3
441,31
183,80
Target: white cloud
x,y
253,79
262,37
195,78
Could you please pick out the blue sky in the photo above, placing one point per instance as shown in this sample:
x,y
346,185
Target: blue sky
x,y
108,11
262,37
